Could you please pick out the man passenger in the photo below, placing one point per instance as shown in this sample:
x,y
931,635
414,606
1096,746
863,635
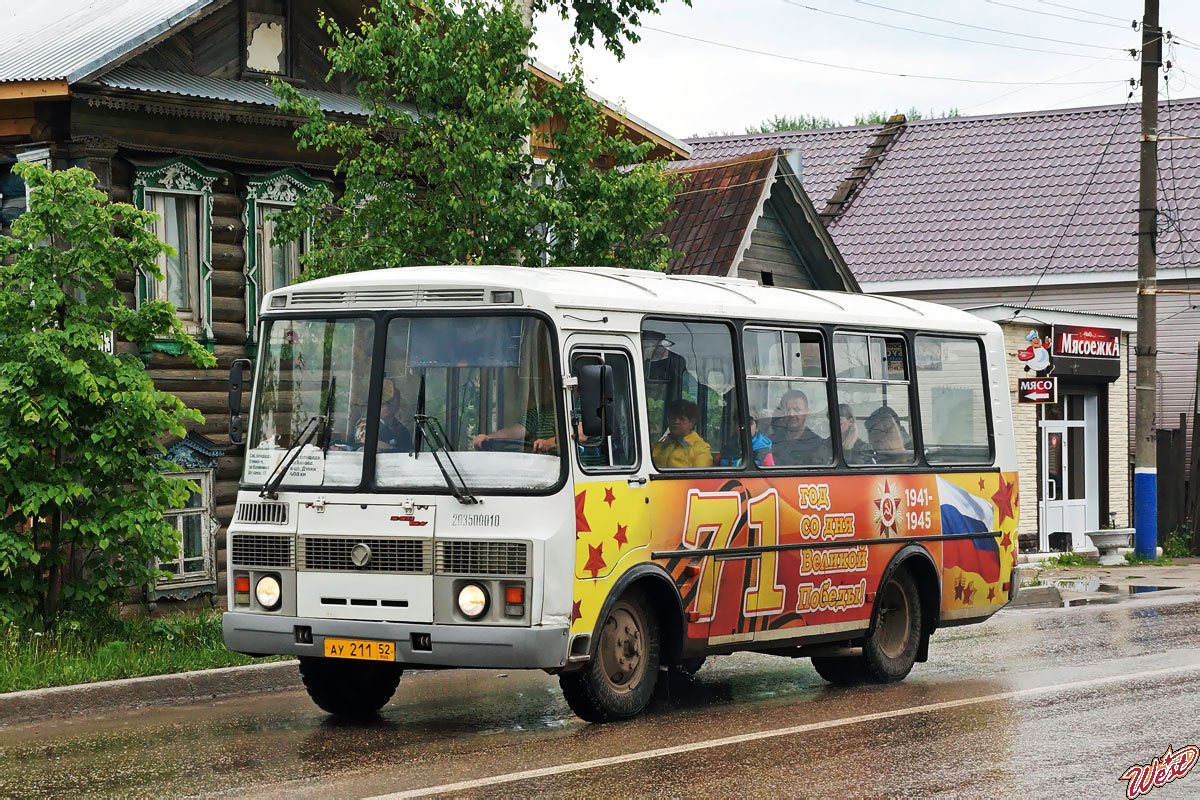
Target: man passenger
x,y
795,444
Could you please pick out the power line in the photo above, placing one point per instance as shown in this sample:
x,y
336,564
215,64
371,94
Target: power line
x,y
1043,83
864,69
1052,14
984,27
943,35
1089,11
1075,208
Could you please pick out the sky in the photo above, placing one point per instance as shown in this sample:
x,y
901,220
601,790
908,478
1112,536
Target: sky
x,y
709,84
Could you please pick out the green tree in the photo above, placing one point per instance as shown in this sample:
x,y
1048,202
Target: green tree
x,y
614,20
803,122
808,122
455,182
82,431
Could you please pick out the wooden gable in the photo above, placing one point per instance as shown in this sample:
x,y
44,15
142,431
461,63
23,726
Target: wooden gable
x,y
216,45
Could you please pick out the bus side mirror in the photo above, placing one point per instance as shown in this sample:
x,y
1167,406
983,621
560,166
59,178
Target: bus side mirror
x,y
595,399
236,375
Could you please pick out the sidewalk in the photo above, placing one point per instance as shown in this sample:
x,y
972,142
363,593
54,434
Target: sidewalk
x,y
1071,586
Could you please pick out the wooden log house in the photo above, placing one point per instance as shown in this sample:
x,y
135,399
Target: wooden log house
x,y
167,102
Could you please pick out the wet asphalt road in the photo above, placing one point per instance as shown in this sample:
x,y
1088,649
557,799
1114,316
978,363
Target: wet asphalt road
x,y
1040,702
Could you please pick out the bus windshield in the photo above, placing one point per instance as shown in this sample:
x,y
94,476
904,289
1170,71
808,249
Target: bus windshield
x,y
484,387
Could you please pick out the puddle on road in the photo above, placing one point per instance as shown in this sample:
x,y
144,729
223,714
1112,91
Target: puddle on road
x,y
1094,585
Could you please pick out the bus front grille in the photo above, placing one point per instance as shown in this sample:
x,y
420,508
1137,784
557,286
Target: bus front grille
x,y
381,554
456,557
258,550
262,513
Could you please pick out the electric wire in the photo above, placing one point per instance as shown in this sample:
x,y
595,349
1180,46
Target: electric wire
x,y
1086,11
944,35
985,28
864,69
1075,208
1052,14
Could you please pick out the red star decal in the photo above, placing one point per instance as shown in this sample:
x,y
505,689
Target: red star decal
x,y
991,593
608,496
595,561
1006,541
886,491
619,536
575,613
968,592
581,523
981,484
1003,498
958,589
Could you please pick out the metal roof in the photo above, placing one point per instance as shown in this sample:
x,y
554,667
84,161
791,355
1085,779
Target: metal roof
x,y
234,91
70,39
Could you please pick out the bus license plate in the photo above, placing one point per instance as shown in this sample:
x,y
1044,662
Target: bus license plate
x,y
361,649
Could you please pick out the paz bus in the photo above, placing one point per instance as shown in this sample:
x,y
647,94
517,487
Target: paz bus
x,y
609,474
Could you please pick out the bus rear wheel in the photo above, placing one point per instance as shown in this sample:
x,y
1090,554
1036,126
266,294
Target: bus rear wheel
x,y
350,689
619,680
891,650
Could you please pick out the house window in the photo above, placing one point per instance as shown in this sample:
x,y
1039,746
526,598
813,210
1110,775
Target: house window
x,y
177,224
279,261
267,36
180,194
271,264
194,562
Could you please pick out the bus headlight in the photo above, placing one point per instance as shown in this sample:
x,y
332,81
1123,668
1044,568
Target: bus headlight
x,y
267,592
472,600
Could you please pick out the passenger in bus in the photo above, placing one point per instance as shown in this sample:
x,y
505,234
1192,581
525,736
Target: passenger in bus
x,y
539,427
680,446
393,434
760,445
888,438
854,448
795,444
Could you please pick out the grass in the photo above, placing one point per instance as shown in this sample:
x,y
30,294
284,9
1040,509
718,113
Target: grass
x,y
1068,560
105,648
1134,558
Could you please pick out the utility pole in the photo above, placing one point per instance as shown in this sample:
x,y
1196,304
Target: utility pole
x,y
1145,459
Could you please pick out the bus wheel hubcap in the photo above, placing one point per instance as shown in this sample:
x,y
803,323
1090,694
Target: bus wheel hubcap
x,y
622,655
892,628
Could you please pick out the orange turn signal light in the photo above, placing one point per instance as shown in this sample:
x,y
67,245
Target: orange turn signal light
x,y
241,584
514,595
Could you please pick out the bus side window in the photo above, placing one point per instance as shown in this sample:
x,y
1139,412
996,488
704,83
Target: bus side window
x,y
954,408
618,450
692,406
873,396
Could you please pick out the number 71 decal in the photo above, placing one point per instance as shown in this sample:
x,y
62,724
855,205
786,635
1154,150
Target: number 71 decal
x,y
711,524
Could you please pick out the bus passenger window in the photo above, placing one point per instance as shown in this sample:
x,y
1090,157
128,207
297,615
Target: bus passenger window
x,y
785,381
873,390
618,450
691,394
954,408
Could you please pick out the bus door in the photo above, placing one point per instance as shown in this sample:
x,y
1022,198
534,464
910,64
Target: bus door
x,y
612,514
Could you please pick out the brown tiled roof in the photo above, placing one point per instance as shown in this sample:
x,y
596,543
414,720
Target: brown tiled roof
x,y
716,205
827,156
1004,195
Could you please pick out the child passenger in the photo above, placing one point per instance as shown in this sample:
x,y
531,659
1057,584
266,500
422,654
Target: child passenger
x,y
759,444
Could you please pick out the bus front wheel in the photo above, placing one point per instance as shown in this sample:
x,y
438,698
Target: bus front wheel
x,y
351,689
619,680
890,652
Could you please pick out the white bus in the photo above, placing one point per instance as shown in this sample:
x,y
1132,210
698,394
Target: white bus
x,y
607,473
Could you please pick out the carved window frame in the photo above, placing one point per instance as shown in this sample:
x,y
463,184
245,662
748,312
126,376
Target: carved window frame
x,y
205,578
182,176
280,189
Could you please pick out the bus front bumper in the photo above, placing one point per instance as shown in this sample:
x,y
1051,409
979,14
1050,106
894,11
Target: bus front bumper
x,y
448,645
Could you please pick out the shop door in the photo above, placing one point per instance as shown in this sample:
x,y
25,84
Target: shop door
x,y
1070,498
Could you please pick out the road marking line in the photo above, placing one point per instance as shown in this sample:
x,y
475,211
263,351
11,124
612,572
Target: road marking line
x,y
579,766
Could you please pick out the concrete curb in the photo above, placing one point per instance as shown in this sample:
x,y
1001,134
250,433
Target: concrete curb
x,y
1037,597
183,687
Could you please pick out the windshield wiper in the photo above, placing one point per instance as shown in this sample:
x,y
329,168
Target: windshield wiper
x,y
431,428
315,424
